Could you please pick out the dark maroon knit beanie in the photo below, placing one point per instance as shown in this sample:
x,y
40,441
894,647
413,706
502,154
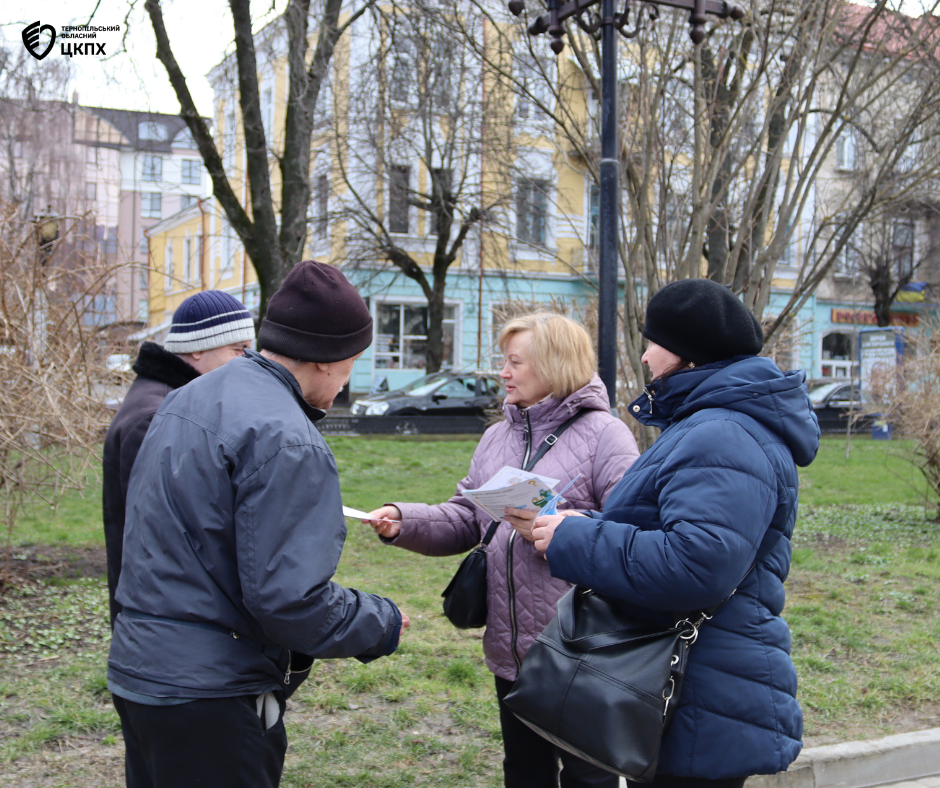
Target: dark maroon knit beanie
x,y
316,315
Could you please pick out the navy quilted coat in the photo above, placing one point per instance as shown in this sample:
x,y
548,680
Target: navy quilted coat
x,y
717,490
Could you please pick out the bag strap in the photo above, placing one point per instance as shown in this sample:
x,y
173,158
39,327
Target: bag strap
x,y
689,622
550,440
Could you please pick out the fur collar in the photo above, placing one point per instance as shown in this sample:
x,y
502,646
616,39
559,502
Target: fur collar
x,y
158,364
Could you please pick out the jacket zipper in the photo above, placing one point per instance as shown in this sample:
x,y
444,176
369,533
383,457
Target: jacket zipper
x,y
287,673
513,625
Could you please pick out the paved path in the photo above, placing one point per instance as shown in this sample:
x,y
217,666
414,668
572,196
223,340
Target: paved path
x,y
923,782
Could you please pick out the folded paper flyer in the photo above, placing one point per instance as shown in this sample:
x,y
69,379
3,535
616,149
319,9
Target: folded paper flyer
x,y
512,487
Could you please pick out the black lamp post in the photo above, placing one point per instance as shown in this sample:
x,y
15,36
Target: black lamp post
x,y
606,25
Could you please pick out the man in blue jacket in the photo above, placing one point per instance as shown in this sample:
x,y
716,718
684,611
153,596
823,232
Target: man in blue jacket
x,y
234,530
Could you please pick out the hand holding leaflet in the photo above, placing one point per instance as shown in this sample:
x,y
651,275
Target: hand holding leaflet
x,y
511,487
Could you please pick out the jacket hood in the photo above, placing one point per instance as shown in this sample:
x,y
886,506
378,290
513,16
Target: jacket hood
x,y
592,396
751,385
159,364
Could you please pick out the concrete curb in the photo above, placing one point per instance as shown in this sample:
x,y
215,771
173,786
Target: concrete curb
x,y
860,764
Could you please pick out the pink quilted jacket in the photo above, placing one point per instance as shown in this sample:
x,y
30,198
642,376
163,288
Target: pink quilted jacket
x,y
521,592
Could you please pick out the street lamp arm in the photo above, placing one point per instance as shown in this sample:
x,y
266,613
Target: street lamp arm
x,y
719,8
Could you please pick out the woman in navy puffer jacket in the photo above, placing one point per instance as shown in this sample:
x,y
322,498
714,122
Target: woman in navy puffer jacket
x,y
716,494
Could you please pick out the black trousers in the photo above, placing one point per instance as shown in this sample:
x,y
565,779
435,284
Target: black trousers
x,y
532,762
668,781
204,743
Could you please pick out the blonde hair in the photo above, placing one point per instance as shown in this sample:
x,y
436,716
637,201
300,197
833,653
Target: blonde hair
x,y
561,352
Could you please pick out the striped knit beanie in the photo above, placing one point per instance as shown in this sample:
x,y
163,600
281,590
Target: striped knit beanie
x,y
208,320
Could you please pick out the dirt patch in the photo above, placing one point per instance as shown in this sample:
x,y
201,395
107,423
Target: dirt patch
x,y
37,562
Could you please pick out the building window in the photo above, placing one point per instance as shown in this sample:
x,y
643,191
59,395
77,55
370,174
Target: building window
x,y
902,247
398,208
534,76
594,216
192,172
267,113
91,191
845,152
229,140
402,77
228,251
168,267
152,168
837,355
442,179
532,211
186,201
144,243
151,205
188,259
151,130
401,338
322,201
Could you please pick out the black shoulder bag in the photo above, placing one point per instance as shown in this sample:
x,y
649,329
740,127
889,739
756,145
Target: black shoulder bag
x,y
603,685
465,595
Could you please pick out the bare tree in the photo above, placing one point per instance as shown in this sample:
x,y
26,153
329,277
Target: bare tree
x,y
729,149
40,171
272,229
886,255
416,151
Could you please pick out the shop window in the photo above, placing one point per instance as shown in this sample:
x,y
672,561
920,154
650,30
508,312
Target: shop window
x,y
401,339
838,355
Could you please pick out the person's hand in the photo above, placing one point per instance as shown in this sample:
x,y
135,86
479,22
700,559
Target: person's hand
x,y
521,520
385,521
544,530
405,623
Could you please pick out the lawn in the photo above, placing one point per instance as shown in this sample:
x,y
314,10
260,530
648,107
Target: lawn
x,y
863,608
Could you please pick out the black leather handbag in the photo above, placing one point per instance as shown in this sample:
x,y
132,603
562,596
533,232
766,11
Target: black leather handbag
x,y
603,685
465,595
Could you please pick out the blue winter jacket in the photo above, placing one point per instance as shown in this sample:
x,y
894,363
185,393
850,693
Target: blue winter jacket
x,y
716,491
234,530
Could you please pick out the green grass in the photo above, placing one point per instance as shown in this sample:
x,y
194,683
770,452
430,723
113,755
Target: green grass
x,y
863,606
875,472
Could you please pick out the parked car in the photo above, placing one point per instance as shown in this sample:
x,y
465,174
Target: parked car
x,y
438,394
834,401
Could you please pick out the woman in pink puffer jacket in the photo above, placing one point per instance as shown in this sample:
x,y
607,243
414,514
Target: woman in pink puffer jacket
x,y
550,376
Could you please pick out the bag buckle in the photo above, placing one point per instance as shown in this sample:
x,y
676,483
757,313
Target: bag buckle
x,y
551,439
668,691
690,635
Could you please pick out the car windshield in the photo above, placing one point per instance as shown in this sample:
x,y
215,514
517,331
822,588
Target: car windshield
x,y
424,386
819,392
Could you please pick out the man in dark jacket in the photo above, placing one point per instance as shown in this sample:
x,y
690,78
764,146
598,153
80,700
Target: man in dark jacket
x,y
234,531
208,329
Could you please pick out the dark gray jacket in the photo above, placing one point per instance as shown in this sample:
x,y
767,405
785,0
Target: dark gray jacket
x,y
234,529
158,373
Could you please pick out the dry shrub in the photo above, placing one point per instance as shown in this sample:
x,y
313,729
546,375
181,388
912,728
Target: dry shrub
x,y
52,376
909,398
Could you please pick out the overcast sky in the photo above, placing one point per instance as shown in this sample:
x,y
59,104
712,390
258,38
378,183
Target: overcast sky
x,y
200,32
